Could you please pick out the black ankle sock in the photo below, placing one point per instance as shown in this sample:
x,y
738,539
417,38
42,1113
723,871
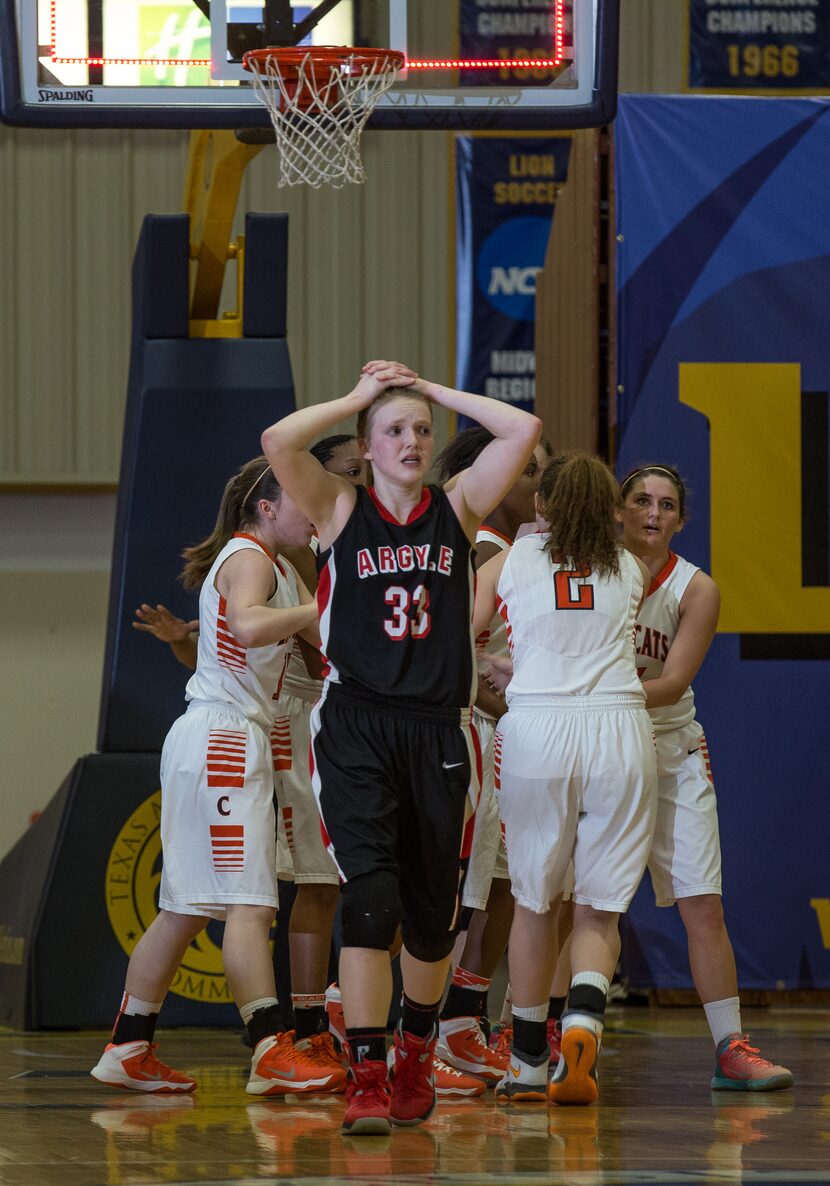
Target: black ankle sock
x,y
264,1023
530,1036
134,1027
556,1007
367,1043
464,1002
418,1019
308,1022
586,998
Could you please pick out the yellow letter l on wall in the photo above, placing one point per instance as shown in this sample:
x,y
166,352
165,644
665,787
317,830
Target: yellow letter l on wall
x,y
754,412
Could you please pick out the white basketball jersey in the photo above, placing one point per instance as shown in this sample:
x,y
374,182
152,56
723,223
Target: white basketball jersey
x,y
654,633
297,681
570,634
249,678
493,640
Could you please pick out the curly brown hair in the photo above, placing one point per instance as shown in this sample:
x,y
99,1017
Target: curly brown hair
x,y
237,510
579,495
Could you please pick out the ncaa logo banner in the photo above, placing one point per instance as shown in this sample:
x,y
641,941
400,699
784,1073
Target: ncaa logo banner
x,y
505,198
723,286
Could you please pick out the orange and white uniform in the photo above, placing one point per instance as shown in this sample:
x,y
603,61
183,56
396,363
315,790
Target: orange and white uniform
x,y
685,856
218,824
488,858
302,855
575,767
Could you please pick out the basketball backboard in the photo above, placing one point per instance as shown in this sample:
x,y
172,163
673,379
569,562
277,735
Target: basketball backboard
x,y
500,64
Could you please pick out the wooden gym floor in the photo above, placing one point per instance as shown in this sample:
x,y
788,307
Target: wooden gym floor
x,y
657,1121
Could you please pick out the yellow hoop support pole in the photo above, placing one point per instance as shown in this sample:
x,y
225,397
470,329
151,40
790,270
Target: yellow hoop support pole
x,y
216,163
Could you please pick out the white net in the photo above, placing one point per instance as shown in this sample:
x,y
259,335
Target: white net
x,y
319,109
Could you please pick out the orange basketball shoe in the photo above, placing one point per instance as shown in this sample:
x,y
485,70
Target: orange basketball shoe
x,y
739,1067
461,1043
278,1067
452,1083
319,1049
134,1065
575,1078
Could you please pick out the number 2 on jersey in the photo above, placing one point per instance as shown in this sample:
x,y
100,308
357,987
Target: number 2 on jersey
x,y
404,621
564,590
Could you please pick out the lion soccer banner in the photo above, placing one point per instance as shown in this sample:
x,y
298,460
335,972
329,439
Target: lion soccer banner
x,y
506,191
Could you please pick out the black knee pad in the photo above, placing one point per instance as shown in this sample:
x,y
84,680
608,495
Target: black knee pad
x,y
428,945
465,917
371,910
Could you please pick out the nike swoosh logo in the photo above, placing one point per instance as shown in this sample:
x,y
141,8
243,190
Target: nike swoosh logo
x,y
581,1048
450,765
515,1071
694,751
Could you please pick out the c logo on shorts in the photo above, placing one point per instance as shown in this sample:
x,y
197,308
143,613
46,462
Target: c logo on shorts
x,y
132,882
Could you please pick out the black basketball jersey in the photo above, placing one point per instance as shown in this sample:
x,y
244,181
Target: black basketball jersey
x,y
396,603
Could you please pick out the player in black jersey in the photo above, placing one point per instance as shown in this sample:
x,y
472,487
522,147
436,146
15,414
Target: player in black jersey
x,y
393,747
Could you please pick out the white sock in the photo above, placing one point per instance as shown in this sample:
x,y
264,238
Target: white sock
x,y
133,1007
246,1012
596,979
724,1018
532,1012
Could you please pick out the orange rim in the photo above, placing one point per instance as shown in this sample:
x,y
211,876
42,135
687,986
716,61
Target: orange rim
x,y
291,57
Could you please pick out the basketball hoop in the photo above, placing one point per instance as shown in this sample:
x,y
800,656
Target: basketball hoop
x,y
319,99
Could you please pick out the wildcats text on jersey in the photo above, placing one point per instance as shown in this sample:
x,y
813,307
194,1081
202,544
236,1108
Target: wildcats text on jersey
x,y
648,641
407,558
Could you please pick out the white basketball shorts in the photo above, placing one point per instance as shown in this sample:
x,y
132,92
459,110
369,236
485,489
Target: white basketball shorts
x,y
576,779
308,859
218,823
488,858
685,855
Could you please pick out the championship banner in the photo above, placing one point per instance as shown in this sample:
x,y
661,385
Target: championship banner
x,y
505,197
504,30
754,46
723,282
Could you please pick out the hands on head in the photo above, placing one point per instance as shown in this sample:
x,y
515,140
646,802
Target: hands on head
x,y
378,374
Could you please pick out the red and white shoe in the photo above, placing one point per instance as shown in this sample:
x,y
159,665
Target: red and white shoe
x,y
461,1043
134,1065
413,1078
368,1099
449,1081
279,1068
334,1013
554,1028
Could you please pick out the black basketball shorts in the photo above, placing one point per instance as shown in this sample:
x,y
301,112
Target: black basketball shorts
x,y
397,784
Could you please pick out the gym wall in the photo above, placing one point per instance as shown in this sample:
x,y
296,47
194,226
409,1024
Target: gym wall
x,y
369,271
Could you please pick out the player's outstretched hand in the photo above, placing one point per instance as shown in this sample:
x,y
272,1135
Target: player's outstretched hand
x,y
163,625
